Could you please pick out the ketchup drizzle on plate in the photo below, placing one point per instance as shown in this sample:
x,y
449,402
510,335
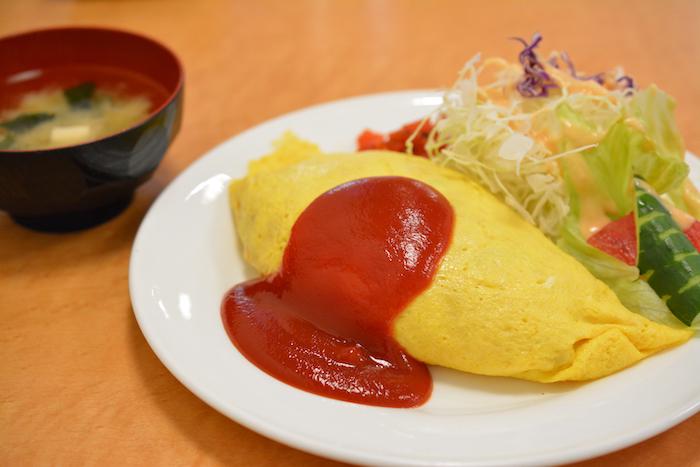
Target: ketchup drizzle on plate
x,y
356,257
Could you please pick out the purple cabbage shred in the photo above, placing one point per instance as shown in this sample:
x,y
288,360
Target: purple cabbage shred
x,y
536,82
598,77
626,82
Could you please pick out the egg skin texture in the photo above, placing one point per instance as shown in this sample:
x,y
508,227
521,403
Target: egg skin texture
x,y
505,301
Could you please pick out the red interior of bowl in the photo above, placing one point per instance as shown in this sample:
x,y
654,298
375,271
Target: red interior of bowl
x,y
124,62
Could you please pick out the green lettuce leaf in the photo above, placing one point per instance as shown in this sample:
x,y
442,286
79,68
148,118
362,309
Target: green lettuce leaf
x,y
657,144
687,198
643,141
626,151
611,165
654,108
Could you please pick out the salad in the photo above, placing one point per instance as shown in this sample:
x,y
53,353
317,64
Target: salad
x,y
596,163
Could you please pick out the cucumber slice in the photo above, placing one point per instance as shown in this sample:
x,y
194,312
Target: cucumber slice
x,y
667,258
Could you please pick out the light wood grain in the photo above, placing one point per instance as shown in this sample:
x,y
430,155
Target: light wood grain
x,y
80,386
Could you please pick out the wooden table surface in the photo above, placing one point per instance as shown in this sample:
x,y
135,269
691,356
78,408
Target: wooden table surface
x,y
79,385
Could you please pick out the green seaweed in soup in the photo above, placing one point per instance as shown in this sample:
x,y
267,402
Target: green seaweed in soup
x,y
53,117
7,139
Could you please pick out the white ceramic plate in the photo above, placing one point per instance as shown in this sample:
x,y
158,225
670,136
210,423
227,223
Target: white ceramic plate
x,y
185,257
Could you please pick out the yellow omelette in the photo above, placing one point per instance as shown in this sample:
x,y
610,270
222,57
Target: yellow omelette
x,y
505,301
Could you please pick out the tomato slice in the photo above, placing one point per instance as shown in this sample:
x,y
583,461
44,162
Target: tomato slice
x,y
396,140
693,234
369,140
618,239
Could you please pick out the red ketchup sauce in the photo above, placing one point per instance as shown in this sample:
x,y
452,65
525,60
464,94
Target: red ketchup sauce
x,y
356,257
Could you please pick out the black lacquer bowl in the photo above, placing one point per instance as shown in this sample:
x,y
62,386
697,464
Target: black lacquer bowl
x,y
74,187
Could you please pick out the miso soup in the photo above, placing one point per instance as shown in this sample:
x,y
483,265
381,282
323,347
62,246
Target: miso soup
x,y
61,117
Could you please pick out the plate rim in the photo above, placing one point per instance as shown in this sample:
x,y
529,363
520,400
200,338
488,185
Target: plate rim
x,y
338,452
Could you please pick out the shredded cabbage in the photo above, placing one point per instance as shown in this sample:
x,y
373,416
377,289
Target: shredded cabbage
x,y
511,143
490,131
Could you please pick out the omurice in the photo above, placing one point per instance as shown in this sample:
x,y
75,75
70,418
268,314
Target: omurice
x,y
376,264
